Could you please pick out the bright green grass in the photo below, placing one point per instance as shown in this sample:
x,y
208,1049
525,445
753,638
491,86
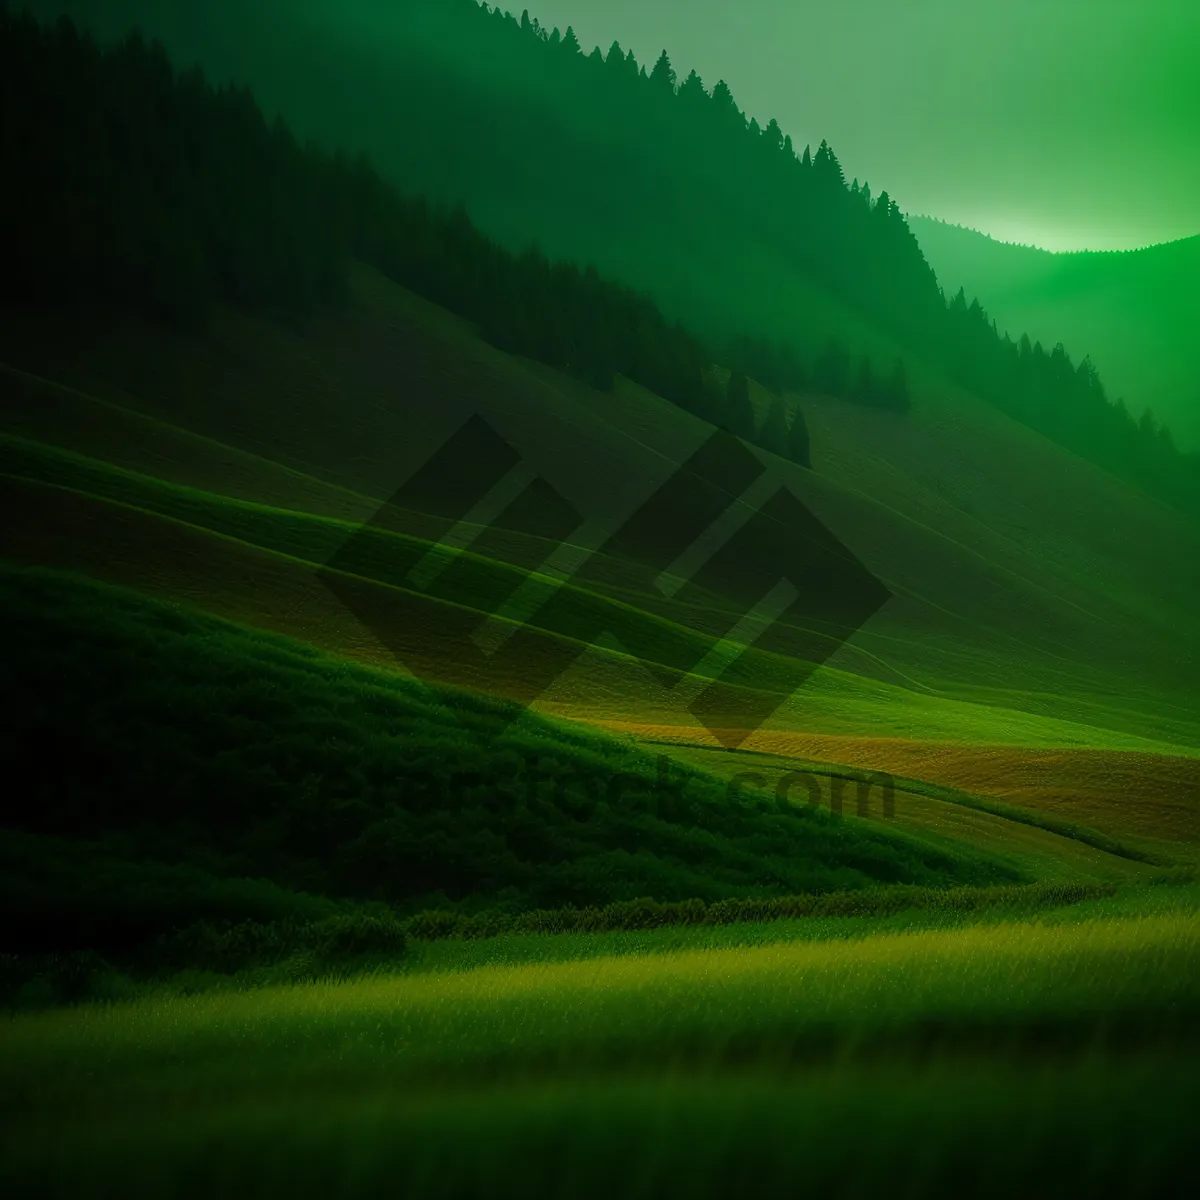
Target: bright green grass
x,y
838,700
699,1007
521,949
770,768
1034,1050
833,700
1076,706
939,693
515,949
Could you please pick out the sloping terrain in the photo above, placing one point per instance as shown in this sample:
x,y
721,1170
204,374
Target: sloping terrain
x,y
1134,312
539,781
1009,562
975,609
993,669
149,738
568,162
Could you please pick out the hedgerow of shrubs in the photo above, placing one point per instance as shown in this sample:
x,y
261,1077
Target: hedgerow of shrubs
x,y
646,913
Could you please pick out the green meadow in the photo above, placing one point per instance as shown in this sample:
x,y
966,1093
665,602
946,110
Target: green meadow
x,y
324,872
288,920
911,1055
222,992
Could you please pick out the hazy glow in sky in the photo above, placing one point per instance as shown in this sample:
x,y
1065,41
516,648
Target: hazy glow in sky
x,y
1068,124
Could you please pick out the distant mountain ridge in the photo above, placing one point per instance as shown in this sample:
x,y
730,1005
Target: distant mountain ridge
x,y
1136,313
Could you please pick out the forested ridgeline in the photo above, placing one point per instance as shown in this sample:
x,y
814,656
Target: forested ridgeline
x,y
159,192
162,191
799,203
1067,402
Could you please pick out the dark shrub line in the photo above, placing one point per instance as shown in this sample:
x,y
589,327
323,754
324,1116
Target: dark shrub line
x,y
647,913
253,953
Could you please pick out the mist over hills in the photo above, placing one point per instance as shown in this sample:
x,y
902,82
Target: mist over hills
x,y
1135,313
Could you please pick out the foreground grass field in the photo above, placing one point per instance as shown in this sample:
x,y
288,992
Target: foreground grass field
x,y
1041,1049
989,1129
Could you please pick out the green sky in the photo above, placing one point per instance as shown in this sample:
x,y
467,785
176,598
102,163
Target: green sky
x,y
1067,124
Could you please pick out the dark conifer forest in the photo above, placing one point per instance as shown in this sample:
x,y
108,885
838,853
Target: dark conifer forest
x,y
155,190
857,245
212,201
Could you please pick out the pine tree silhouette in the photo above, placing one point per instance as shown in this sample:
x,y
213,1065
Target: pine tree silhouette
x,y
209,203
663,75
725,108
692,96
827,168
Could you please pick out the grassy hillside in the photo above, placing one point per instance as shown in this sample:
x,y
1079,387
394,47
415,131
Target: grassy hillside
x,y
1134,312
111,488
1004,595
343,881
203,744
1031,707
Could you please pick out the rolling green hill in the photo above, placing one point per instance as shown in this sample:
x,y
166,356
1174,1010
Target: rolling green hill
x,y
197,743
1004,597
111,488
927,689
398,794
229,465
